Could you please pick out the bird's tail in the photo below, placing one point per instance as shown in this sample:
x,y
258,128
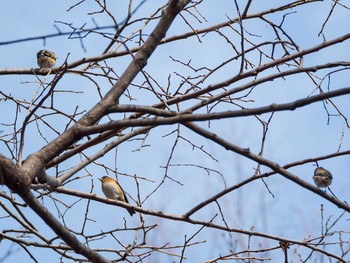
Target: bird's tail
x,y
131,211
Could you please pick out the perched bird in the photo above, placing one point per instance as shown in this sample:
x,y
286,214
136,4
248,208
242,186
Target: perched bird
x,y
322,177
112,190
46,59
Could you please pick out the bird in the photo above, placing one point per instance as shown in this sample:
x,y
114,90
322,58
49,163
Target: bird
x,y
112,190
322,177
46,59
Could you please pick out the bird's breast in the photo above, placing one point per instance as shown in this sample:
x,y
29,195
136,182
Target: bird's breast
x,y
111,191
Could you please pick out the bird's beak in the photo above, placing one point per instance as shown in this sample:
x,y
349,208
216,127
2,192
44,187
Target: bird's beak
x,y
100,179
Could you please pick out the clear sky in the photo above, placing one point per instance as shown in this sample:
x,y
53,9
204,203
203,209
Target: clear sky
x,y
288,211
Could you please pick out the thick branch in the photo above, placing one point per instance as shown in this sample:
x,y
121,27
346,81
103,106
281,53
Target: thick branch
x,y
60,230
186,117
17,181
61,143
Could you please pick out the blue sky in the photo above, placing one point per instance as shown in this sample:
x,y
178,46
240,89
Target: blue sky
x,y
291,212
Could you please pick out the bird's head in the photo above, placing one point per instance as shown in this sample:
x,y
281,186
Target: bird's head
x,y
103,178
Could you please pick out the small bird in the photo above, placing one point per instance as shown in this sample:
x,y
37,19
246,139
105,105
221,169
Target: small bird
x,y
112,190
322,177
46,59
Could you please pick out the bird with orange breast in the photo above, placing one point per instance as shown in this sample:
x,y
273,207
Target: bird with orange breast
x,y
112,190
